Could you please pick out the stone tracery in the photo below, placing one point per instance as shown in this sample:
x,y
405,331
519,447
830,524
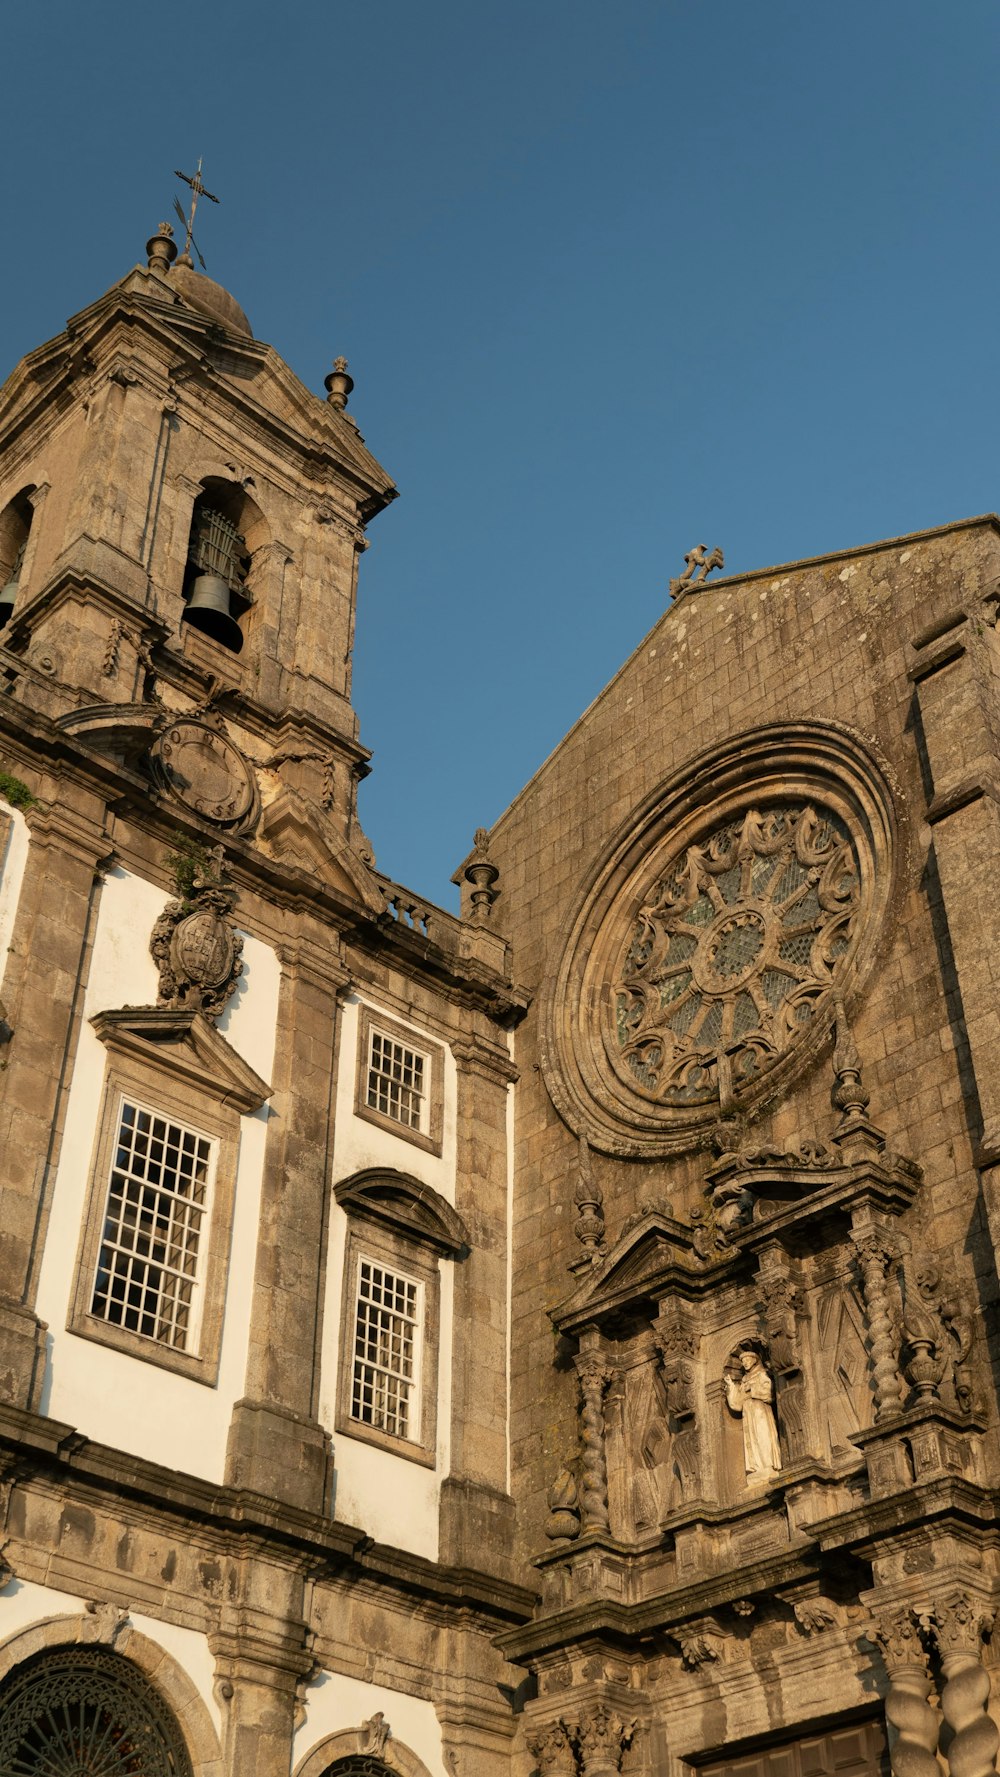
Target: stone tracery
x,y
733,950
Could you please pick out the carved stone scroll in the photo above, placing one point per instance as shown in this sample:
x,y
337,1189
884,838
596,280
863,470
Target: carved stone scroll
x,y
913,1752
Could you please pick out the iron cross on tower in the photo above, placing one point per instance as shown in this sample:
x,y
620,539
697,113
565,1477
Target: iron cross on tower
x,y
198,189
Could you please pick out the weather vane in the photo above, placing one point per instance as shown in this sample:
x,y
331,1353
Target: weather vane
x,y
198,190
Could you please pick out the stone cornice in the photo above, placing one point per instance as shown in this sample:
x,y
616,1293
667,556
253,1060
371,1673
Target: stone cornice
x,y
242,1522
465,982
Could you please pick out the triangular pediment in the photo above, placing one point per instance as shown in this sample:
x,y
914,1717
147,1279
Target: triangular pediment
x,y
654,1245
299,837
186,1045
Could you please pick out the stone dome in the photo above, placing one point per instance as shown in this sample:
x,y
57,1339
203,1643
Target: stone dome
x,y
209,297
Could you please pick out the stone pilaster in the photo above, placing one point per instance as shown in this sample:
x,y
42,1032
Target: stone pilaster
x,y
476,1509
43,987
276,1443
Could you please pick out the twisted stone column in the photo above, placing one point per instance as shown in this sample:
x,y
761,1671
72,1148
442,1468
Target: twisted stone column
x,y
874,1253
958,1627
913,1752
594,1376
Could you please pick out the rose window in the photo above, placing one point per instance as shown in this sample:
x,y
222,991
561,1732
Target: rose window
x,y
733,951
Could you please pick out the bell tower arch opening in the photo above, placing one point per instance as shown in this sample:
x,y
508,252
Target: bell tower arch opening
x,y
15,527
227,531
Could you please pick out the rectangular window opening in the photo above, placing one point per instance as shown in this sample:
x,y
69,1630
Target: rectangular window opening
x,y
397,1081
384,1391
147,1267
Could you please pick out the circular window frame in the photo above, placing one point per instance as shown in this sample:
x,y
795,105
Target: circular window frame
x,y
826,765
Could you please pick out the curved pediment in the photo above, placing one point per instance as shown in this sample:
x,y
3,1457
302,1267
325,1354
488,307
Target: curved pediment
x,y
404,1204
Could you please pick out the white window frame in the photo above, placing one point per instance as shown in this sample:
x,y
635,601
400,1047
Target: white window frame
x,y
414,1382
191,1343
374,1024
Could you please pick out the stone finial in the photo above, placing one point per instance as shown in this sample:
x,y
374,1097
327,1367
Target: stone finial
x,y
562,1523
854,1129
481,875
589,1199
850,1095
338,384
161,249
699,565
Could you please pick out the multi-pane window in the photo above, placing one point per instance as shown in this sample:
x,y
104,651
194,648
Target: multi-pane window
x,y
384,1389
397,1083
147,1269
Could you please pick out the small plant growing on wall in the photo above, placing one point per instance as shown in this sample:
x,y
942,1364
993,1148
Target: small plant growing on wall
x,y
14,791
192,865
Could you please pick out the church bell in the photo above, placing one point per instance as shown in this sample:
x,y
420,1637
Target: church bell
x,y
208,610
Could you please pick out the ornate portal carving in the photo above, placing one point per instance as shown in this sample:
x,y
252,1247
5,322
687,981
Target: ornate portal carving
x,y
733,950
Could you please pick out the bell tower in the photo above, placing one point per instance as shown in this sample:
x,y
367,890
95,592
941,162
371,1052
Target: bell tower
x,y
180,527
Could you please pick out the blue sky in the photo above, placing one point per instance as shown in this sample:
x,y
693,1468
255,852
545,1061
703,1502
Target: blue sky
x,y
612,280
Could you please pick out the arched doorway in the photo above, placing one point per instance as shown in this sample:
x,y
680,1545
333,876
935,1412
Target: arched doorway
x,y
86,1712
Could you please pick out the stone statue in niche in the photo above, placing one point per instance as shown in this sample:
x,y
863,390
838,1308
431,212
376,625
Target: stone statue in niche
x,y
750,1395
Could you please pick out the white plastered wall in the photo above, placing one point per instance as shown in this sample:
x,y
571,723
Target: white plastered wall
x,y
22,1604
394,1500
108,1395
334,1703
12,862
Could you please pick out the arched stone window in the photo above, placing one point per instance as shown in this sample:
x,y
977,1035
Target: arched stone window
x,y
15,525
359,1764
227,528
76,1710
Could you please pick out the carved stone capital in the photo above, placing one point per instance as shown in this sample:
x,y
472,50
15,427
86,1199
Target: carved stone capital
x,y
896,1630
602,1737
958,1625
552,1749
